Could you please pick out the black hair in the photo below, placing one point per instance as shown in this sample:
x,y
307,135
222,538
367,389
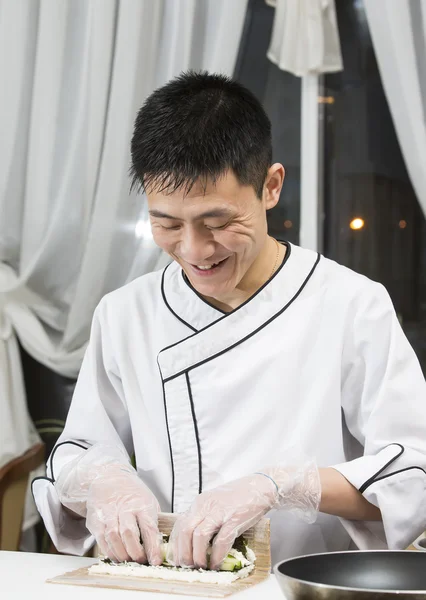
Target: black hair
x,y
196,128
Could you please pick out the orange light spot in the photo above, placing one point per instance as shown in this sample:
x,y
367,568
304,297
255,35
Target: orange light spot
x,y
402,224
288,224
325,99
357,223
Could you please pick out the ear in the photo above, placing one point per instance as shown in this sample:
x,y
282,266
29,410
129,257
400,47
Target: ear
x,y
273,184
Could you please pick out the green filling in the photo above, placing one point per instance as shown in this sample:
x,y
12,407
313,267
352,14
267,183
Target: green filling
x,y
229,564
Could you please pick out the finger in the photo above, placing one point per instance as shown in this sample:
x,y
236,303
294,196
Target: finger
x,y
131,537
97,529
201,540
113,539
180,543
151,539
105,550
116,546
222,544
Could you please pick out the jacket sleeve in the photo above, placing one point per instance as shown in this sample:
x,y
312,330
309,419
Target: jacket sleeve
x,y
98,415
384,406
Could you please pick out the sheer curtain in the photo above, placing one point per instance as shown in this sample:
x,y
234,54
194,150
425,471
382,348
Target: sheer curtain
x,y
305,38
73,75
398,31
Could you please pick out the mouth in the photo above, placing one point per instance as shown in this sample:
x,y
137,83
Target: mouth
x,y
210,269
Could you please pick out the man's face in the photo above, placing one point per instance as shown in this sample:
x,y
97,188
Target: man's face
x,y
215,235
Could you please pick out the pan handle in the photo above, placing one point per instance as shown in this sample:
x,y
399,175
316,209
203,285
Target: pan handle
x,y
419,543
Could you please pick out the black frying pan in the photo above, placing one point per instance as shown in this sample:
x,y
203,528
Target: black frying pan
x,y
368,575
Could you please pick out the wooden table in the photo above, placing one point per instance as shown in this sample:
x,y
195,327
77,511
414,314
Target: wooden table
x,y
23,577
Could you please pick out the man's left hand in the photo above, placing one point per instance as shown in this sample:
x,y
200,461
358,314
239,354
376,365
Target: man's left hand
x,y
226,511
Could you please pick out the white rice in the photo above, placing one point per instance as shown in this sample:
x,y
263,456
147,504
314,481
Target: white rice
x,y
132,569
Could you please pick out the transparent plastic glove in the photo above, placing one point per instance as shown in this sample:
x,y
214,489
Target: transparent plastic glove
x,y
120,510
231,509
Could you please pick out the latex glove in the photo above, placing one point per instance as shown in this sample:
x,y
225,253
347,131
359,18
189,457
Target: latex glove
x,y
120,510
231,509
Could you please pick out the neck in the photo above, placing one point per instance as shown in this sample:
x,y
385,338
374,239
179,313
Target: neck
x,y
265,265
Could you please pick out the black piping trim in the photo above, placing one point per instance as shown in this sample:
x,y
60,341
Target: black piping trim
x,y
397,472
186,371
170,440
42,477
54,452
168,305
188,283
36,479
226,315
372,479
197,437
280,312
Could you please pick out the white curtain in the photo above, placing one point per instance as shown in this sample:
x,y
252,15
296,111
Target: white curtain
x,y
398,31
73,75
305,37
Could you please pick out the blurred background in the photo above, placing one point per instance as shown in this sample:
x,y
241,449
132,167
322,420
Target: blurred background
x,y
344,84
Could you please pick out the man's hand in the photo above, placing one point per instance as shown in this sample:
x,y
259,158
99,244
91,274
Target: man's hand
x,y
229,510
122,514
226,511
120,511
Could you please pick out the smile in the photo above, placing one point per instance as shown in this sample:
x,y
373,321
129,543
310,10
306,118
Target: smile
x,y
204,270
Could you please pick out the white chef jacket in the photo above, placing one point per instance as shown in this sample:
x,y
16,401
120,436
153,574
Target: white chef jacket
x,y
315,360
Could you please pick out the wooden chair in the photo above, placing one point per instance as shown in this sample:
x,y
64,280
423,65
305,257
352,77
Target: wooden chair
x,y
13,486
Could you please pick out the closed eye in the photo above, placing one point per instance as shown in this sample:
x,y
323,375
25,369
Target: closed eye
x,y
217,228
173,228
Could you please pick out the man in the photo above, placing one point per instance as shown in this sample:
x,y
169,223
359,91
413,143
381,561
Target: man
x,y
249,375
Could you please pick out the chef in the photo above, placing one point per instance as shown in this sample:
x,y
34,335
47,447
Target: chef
x,y
250,377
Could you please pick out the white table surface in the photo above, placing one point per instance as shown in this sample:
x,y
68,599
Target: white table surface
x,y
23,577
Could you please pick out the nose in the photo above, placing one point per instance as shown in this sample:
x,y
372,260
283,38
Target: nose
x,y
196,246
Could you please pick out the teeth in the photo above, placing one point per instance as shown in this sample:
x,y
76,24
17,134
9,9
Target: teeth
x,y
206,268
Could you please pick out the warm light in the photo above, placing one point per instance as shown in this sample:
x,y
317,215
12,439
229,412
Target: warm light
x,y
288,224
326,99
402,224
357,223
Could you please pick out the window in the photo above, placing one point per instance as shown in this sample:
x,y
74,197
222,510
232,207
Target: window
x,y
372,220
280,94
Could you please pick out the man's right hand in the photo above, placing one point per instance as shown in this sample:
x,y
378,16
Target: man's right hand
x,y
122,514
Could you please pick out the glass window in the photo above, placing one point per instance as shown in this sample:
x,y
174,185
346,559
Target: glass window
x,y
280,94
372,220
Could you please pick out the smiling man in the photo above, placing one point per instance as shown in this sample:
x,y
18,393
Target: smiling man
x,y
218,235
249,377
